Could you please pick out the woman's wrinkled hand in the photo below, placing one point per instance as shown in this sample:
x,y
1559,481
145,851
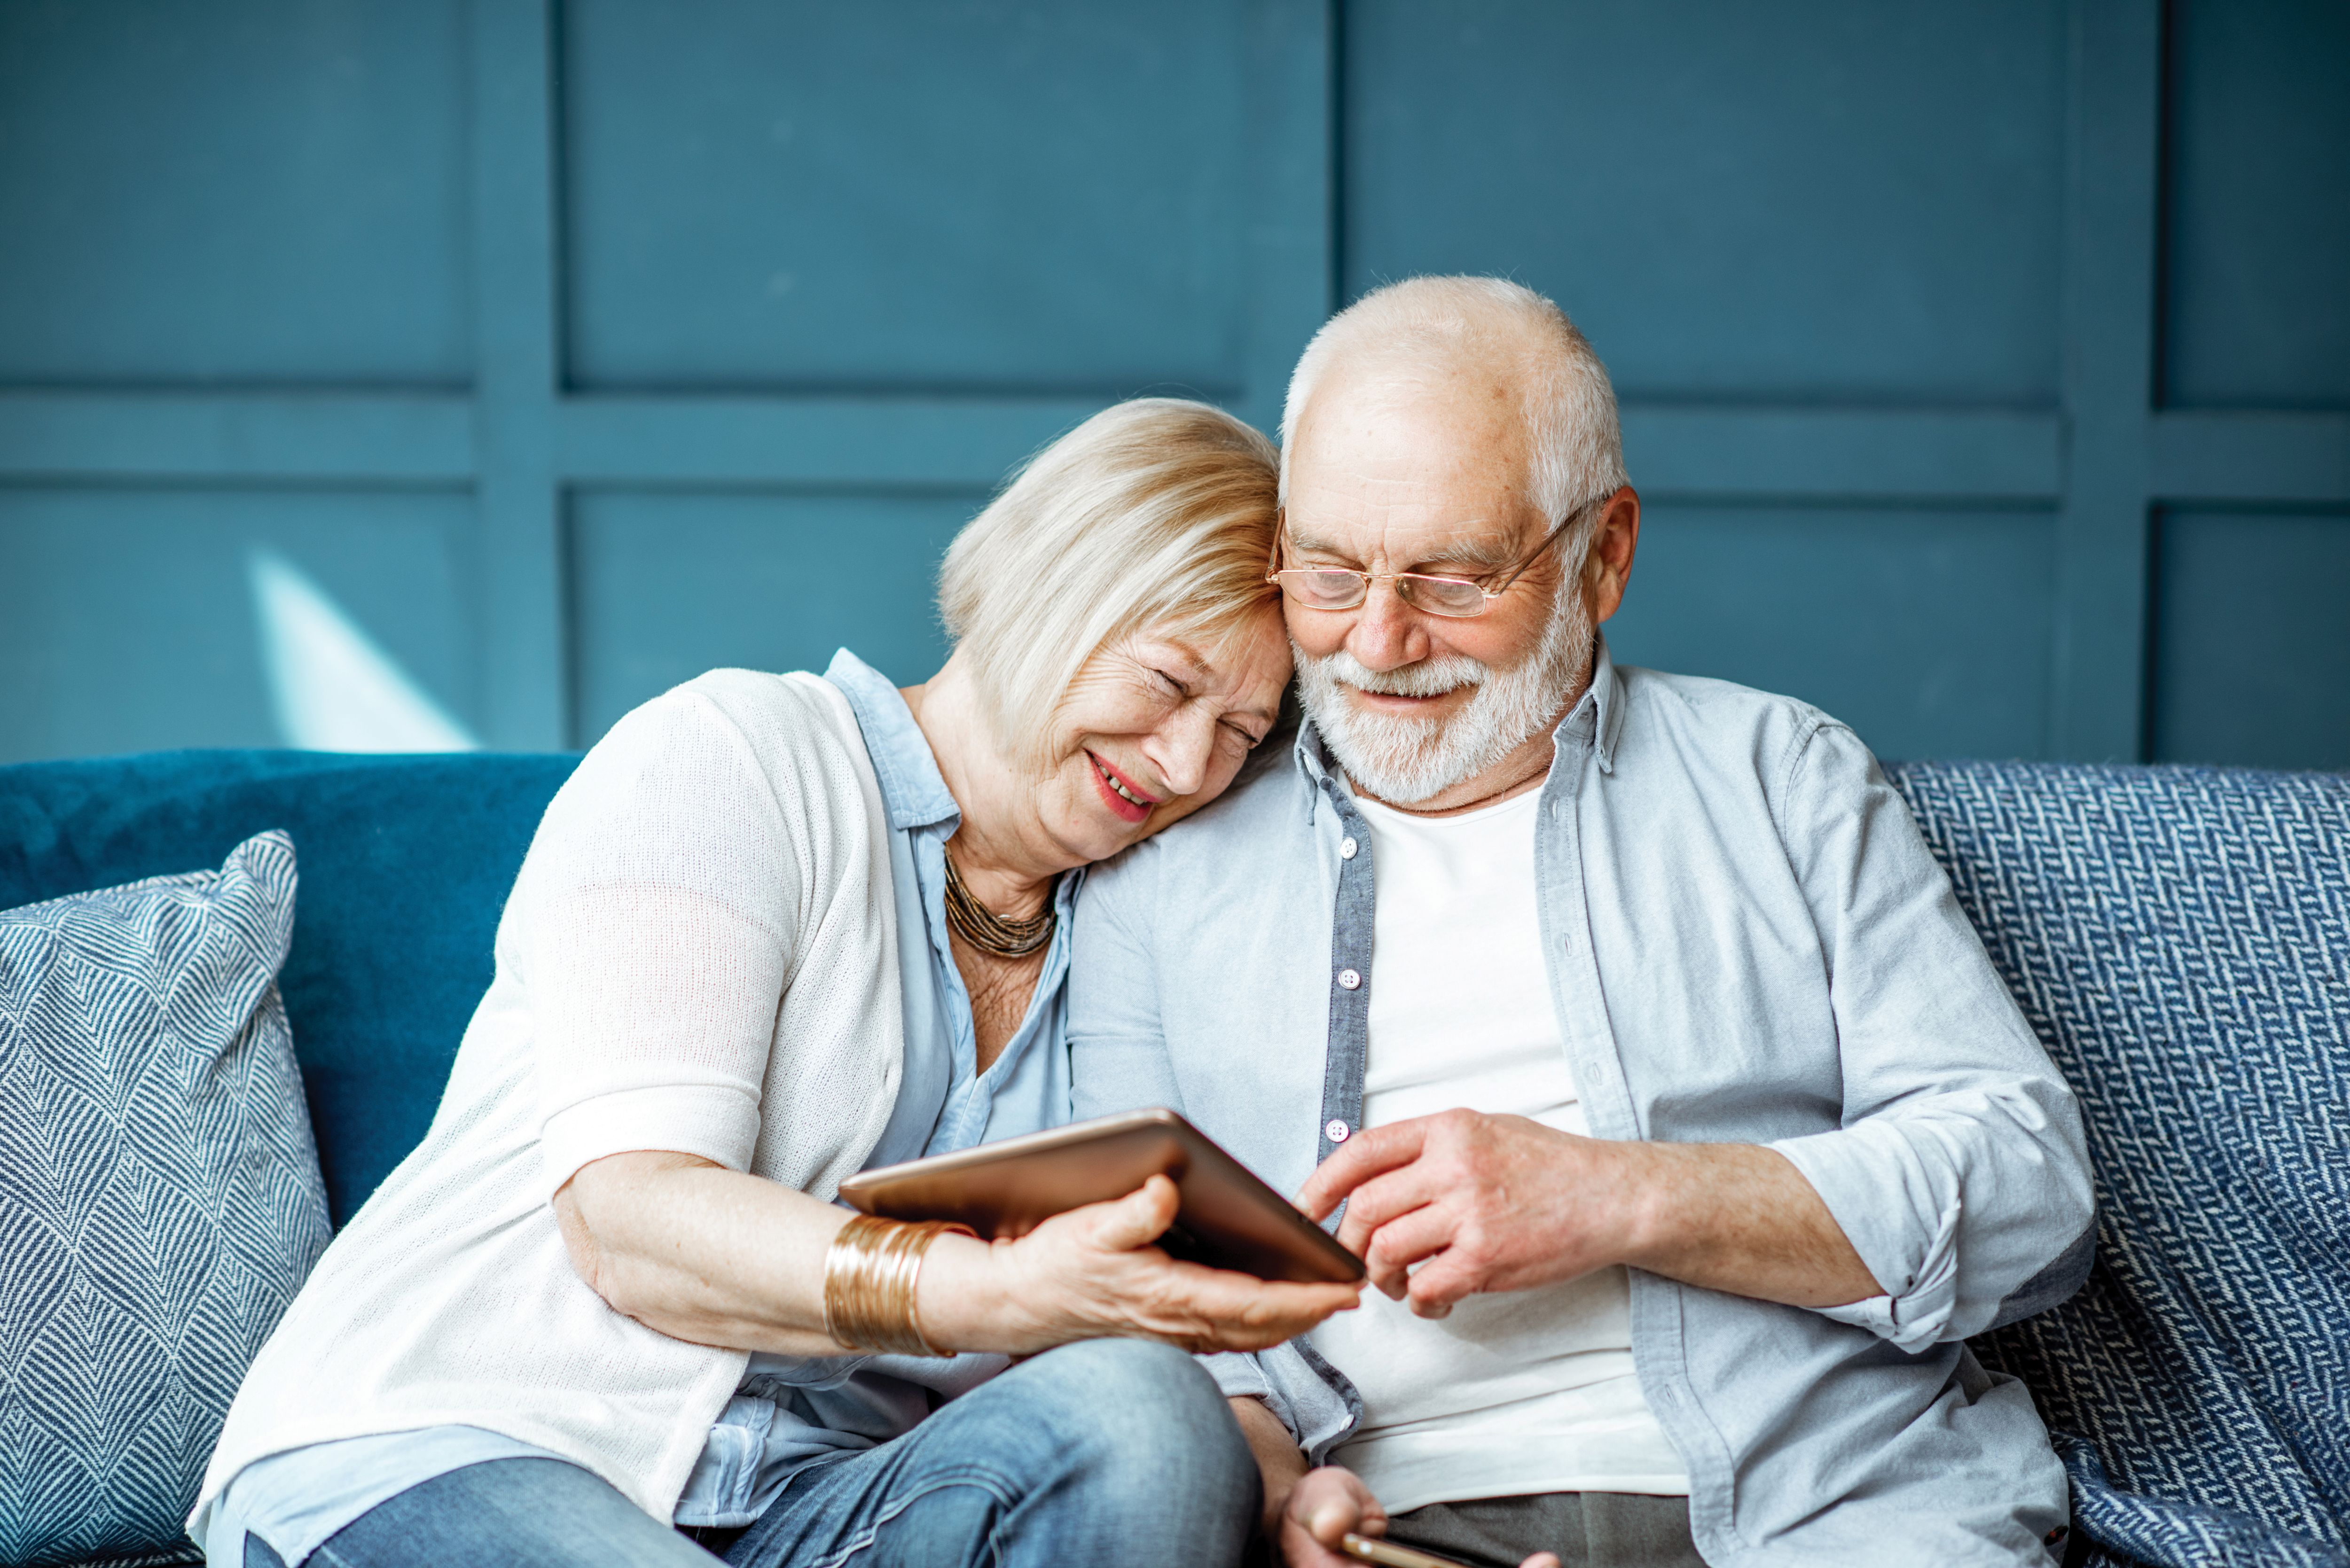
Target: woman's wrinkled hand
x,y
1095,1273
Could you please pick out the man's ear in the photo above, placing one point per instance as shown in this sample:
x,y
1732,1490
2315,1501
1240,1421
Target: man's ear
x,y
1607,566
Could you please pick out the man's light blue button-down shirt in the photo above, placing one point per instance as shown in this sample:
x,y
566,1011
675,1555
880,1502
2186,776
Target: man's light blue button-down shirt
x,y
1747,941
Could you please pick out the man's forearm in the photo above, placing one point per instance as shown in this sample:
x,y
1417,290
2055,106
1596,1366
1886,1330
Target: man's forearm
x,y
1448,1206
1278,1459
1740,1218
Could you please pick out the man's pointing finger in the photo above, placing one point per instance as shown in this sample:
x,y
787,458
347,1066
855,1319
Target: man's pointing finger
x,y
1355,1161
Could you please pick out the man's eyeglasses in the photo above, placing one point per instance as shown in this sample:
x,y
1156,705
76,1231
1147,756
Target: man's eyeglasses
x,y
1343,588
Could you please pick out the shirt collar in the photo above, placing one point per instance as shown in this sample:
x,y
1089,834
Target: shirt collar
x,y
913,791
1605,698
1599,712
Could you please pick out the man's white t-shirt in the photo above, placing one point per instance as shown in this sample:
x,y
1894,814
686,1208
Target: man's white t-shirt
x,y
1516,1393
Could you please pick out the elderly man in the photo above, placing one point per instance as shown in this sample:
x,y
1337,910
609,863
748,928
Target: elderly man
x,y
1685,1125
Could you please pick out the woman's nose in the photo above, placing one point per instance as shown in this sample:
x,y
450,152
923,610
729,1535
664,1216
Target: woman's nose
x,y
1183,747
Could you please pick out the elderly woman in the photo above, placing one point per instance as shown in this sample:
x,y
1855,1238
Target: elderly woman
x,y
778,929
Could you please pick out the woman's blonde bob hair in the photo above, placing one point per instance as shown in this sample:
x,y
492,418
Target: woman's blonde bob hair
x,y
1155,513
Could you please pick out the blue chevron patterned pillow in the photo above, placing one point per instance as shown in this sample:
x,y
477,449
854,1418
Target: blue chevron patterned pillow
x,y
160,1199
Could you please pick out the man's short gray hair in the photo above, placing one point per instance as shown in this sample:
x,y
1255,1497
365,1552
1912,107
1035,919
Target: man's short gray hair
x,y
1431,324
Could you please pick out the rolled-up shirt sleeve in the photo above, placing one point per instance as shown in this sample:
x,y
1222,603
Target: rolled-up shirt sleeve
x,y
653,931
1959,1174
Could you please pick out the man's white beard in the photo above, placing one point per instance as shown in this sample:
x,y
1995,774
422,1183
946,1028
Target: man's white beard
x,y
1406,760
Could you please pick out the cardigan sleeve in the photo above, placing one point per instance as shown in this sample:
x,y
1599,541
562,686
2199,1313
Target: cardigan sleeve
x,y
660,918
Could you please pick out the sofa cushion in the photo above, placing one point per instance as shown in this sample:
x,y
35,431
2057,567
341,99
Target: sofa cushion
x,y
406,863
160,1197
2180,940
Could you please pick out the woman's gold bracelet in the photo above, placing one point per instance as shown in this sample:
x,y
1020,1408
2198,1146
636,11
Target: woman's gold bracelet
x,y
868,1284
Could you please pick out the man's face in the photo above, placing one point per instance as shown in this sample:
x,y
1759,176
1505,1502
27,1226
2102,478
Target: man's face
x,y
1428,478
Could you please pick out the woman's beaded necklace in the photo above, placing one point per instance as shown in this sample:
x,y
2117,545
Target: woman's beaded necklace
x,y
988,931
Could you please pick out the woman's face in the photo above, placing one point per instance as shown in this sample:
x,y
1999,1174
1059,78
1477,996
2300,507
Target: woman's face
x,y
1154,729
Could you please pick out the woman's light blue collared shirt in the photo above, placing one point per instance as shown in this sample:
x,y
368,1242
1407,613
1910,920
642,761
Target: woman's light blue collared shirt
x,y
790,1411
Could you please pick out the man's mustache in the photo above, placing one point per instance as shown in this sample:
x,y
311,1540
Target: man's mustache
x,y
1429,677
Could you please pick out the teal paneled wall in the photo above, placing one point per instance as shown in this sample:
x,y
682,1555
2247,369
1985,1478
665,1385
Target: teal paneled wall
x,y
2252,641
2258,223
233,192
931,195
1930,625
137,616
670,586
1864,206
433,371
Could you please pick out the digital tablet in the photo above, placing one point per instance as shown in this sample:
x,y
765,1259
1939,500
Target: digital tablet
x,y
1228,1219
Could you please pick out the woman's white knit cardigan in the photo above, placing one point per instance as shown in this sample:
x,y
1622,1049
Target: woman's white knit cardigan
x,y
725,846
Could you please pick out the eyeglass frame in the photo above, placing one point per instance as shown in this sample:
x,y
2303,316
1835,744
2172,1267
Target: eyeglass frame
x,y
1508,575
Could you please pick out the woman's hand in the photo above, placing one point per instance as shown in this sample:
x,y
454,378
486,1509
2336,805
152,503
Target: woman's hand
x,y
720,1258
1094,1273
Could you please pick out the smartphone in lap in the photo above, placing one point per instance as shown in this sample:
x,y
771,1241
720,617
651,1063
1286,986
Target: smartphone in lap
x,y
1371,1549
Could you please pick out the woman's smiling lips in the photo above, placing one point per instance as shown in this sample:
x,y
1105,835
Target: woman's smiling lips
x,y
1122,794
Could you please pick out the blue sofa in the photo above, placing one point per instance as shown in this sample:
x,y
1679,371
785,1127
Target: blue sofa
x,y
2180,937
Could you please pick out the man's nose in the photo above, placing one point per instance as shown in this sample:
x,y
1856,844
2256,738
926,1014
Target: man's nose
x,y
1386,633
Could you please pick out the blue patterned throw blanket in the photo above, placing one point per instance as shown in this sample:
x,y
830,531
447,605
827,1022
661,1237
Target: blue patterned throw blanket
x,y
2180,939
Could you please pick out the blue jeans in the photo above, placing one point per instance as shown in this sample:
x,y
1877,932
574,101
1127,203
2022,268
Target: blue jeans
x,y
1107,1451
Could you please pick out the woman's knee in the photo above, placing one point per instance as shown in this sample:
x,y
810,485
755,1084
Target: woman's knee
x,y
1147,1411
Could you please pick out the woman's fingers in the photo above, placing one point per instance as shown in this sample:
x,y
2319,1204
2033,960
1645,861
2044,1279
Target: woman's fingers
x,y
1133,1221
1101,1274
1220,1310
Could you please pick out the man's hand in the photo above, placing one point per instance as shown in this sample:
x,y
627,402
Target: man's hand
x,y
1501,1203
1490,1204
1323,1506
1328,1502
1308,1512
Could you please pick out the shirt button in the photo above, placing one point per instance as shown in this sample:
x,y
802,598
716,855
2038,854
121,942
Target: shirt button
x,y
1349,979
1337,1131
1346,849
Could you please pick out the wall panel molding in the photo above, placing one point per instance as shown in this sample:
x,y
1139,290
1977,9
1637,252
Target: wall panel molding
x,y
526,646
884,442
2102,539
2286,458
236,436
1949,456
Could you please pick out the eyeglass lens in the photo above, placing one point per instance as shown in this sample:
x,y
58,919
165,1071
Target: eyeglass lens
x,y
1335,590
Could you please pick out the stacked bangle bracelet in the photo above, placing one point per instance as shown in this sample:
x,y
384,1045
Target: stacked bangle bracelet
x,y
868,1284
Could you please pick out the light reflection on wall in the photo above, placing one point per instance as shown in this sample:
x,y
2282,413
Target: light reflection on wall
x,y
332,687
